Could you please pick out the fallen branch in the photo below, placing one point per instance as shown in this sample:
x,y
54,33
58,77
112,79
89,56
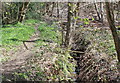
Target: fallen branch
x,y
25,45
50,41
76,51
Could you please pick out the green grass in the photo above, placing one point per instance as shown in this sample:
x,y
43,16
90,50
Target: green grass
x,y
47,33
11,34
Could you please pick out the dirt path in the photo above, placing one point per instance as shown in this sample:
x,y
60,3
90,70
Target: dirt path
x,y
18,58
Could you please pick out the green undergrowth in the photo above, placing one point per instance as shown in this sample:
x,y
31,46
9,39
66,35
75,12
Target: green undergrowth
x,y
32,22
48,33
14,34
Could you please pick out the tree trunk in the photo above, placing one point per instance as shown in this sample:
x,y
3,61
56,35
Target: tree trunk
x,y
67,38
113,29
101,12
22,11
58,10
98,14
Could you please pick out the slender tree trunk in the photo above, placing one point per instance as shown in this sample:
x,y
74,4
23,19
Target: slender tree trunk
x,y
78,8
67,38
22,11
96,8
101,12
58,10
113,29
17,12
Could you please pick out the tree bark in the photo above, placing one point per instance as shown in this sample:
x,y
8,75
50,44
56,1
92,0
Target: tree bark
x,y
113,29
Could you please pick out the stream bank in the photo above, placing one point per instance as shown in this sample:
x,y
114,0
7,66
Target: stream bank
x,y
92,66
78,45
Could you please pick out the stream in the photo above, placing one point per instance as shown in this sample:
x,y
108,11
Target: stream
x,y
77,67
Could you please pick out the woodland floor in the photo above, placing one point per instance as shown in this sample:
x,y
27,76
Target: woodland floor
x,y
29,57
19,58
